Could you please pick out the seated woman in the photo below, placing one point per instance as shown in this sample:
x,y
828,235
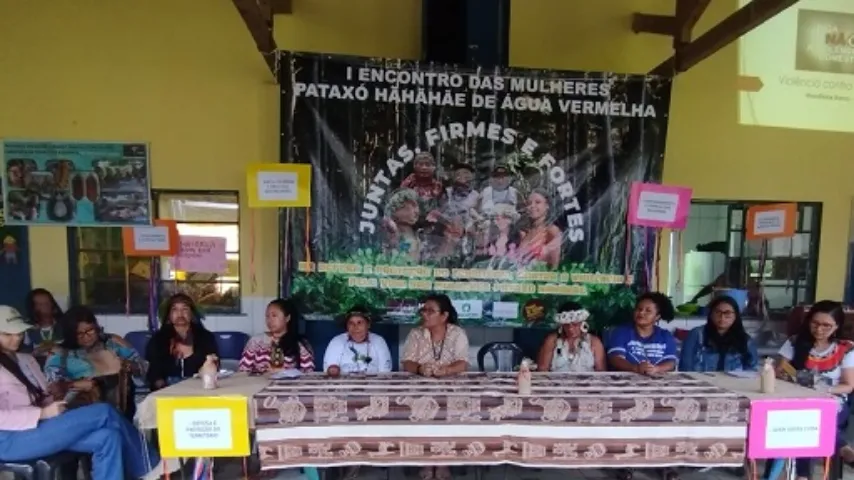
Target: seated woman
x,y
33,425
43,314
644,347
818,351
436,348
358,350
181,346
571,348
721,345
281,347
91,362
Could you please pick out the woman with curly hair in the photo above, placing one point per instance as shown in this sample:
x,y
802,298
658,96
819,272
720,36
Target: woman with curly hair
x,y
644,347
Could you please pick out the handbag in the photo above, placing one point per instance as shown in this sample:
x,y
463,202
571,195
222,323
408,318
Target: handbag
x,y
112,389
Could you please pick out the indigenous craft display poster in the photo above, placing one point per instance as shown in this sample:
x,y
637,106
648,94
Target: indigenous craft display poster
x,y
76,183
507,189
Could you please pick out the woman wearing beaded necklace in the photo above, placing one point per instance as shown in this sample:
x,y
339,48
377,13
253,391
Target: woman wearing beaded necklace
x,y
438,347
358,350
571,348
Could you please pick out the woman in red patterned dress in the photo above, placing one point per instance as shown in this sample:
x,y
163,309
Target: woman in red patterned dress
x,y
826,362
281,347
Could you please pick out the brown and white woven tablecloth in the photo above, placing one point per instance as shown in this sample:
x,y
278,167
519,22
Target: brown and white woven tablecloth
x,y
570,420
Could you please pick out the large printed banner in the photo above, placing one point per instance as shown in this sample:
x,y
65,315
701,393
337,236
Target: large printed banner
x,y
507,189
76,183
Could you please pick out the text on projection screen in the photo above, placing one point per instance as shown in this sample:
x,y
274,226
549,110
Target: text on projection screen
x,y
797,69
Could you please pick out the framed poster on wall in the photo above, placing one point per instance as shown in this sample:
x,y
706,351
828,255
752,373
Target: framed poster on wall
x,y
76,183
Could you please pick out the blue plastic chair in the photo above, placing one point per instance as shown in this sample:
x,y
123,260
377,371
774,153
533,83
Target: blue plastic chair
x,y
139,340
230,344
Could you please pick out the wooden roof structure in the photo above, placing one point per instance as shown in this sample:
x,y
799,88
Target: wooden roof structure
x,y
258,15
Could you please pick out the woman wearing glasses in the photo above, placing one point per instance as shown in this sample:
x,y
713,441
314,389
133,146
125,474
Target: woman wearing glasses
x,y
817,354
722,344
93,366
436,348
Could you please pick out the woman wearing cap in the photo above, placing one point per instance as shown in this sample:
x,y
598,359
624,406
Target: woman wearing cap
x,y
571,348
33,425
181,346
281,347
358,350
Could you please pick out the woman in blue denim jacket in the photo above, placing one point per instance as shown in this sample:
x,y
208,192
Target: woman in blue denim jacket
x,y
722,344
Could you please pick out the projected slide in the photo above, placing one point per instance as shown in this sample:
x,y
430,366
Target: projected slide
x,y
797,69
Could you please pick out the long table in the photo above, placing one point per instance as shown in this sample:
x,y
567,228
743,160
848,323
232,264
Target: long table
x,y
570,420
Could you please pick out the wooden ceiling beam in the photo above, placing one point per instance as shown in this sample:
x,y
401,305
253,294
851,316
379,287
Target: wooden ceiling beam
x,y
688,13
282,7
258,17
655,24
727,31
678,26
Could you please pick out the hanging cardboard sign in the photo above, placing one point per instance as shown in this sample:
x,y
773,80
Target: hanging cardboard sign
x,y
771,221
201,255
659,206
279,185
158,240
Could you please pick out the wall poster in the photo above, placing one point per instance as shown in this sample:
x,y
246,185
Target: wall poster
x,y
76,183
507,189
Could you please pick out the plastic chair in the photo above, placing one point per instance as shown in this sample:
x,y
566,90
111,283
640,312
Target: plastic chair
x,y
230,344
45,468
506,356
139,339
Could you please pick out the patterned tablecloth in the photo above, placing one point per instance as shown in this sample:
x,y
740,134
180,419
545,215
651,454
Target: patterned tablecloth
x,y
570,420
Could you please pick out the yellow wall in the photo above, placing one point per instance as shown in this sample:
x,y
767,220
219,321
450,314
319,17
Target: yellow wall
x,y
706,148
183,78
188,80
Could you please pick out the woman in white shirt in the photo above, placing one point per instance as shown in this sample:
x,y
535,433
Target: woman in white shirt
x,y
817,352
358,350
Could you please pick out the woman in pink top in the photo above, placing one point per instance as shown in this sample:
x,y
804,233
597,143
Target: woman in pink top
x,y
281,347
33,425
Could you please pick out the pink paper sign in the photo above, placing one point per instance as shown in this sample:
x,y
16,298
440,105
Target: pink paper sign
x,y
201,255
659,206
792,428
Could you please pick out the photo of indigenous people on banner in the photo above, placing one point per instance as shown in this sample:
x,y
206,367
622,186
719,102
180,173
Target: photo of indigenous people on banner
x,y
507,189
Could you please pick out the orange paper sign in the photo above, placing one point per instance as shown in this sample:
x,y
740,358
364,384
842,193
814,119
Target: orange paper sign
x,y
158,240
771,221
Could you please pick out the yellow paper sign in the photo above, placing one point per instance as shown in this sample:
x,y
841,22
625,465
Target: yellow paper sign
x,y
279,185
203,426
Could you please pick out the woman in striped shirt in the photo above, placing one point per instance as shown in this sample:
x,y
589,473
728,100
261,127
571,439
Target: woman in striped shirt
x,y
281,347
